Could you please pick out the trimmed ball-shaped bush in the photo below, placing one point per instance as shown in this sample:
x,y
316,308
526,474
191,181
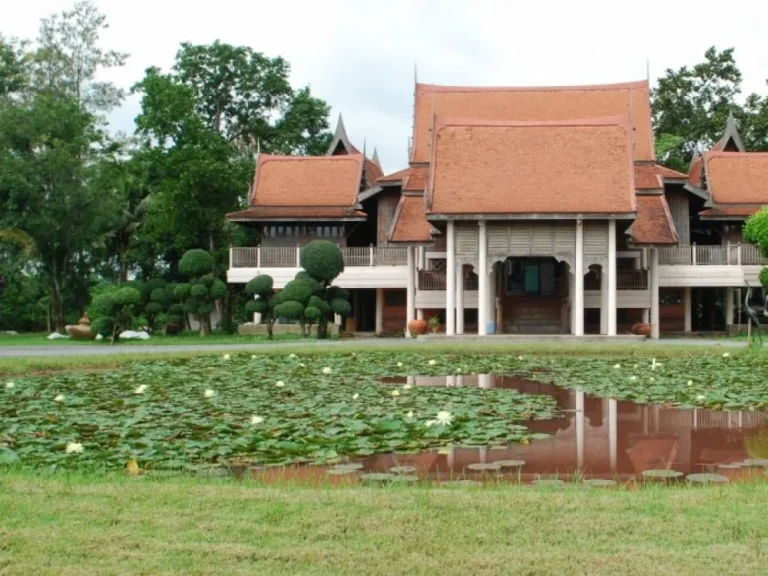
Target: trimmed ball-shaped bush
x,y
195,263
103,325
204,309
335,292
298,291
218,289
312,314
320,304
198,291
127,297
176,309
289,309
102,305
190,306
153,308
260,285
158,295
256,307
764,278
341,307
150,286
322,259
182,291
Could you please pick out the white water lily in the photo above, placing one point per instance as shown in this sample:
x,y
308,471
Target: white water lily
x,y
226,356
458,370
430,423
407,387
292,356
399,364
395,392
726,354
301,365
410,414
209,393
444,417
59,398
256,420
700,397
432,362
355,396
253,356
74,448
9,385
519,357
141,389
632,378
279,383
690,382
653,379
654,364
616,366
327,370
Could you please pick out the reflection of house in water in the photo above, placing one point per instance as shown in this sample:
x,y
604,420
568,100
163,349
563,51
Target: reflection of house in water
x,y
608,437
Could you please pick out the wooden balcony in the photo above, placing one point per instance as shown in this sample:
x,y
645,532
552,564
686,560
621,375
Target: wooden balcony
x,y
259,257
728,255
625,280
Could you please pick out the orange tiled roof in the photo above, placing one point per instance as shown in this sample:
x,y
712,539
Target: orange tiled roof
x,y
290,213
307,181
530,105
648,177
725,211
410,221
398,176
416,181
737,177
653,224
372,172
694,171
669,173
538,168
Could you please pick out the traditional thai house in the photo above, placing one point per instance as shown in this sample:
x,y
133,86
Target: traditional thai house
x,y
522,210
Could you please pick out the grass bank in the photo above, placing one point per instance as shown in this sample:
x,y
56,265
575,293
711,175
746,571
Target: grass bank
x,y
89,525
189,337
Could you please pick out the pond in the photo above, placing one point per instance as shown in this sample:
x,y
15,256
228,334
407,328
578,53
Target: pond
x,y
592,439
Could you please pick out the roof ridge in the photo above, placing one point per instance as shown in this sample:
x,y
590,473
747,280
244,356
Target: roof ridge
x,y
615,120
455,88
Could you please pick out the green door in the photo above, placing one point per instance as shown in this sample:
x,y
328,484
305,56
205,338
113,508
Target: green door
x,y
532,278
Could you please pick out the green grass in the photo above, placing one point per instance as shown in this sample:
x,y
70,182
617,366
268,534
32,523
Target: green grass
x,y
80,525
189,337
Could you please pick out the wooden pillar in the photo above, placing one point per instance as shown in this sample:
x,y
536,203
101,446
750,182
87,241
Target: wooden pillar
x,y
578,316
483,287
379,311
687,305
459,299
450,280
612,285
654,273
410,294
604,300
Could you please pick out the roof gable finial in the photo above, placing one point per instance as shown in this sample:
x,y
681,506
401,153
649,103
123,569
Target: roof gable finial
x,y
339,136
375,158
415,72
731,135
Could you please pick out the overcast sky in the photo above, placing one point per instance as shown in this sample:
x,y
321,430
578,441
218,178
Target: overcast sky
x,y
359,55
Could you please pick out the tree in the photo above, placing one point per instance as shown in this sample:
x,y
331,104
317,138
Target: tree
x,y
114,311
153,301
202,290
310,297
756,232
263,301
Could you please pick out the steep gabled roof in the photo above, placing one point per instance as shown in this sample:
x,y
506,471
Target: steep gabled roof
x,y
531,105
410,224
737,177
507,168
653,224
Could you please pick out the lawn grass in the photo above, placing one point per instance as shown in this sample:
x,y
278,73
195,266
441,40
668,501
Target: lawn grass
x,y
188,337
81,524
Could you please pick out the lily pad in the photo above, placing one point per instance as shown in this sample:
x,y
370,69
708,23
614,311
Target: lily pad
x,y
599,482
384,477
706,479
548,482
483,467
352,466
732,466
461,483
402,469
341,471
662,474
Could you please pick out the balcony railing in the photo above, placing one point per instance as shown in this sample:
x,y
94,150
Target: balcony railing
x,y
625,280
435,280
275,257
728,255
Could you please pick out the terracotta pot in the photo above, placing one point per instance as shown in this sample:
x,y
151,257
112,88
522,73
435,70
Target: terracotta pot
x,y
417,327
642,329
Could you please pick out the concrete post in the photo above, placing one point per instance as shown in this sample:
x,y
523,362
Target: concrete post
x,y
410,294
578,328
729,306
483,279
450,280
379,311
654,272
687,305
604,300
459,299
612,284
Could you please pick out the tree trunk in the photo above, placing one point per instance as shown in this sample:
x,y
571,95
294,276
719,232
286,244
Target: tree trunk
x,y
270,334
205,325
322,329
57,307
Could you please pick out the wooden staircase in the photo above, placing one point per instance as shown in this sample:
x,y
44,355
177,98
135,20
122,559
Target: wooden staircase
x,y
525,314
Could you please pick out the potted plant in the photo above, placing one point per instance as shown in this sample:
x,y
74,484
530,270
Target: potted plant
x,y
434,324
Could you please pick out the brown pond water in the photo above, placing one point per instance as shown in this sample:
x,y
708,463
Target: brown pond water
x,y
594,439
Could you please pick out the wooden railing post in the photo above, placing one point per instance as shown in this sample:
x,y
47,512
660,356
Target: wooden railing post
x,y
371,259
693,254
738,253
298,256
231,256
258,256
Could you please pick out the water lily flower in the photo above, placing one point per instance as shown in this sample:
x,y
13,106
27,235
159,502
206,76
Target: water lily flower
x,y
726,354
407,387
458,370
519,357
141,389
256,420
253,356
700,397
654,364
355,396
74,448
690,382
430,423
209,393
653,379
226,356
9,385
395,392
327,370
444,417
432,362
632,378
399,364
59,398
616,366
410,414
301,365
279,383
292,356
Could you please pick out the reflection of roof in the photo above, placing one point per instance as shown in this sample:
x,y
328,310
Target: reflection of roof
x,y
287,214
495,167
304,181
410,223
653,224
531,105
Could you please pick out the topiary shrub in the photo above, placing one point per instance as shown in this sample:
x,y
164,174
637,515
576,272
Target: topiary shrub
x,y
322,260
265,300
202,290
114,311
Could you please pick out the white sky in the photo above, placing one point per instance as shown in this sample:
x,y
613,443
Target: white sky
x,y
359,55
